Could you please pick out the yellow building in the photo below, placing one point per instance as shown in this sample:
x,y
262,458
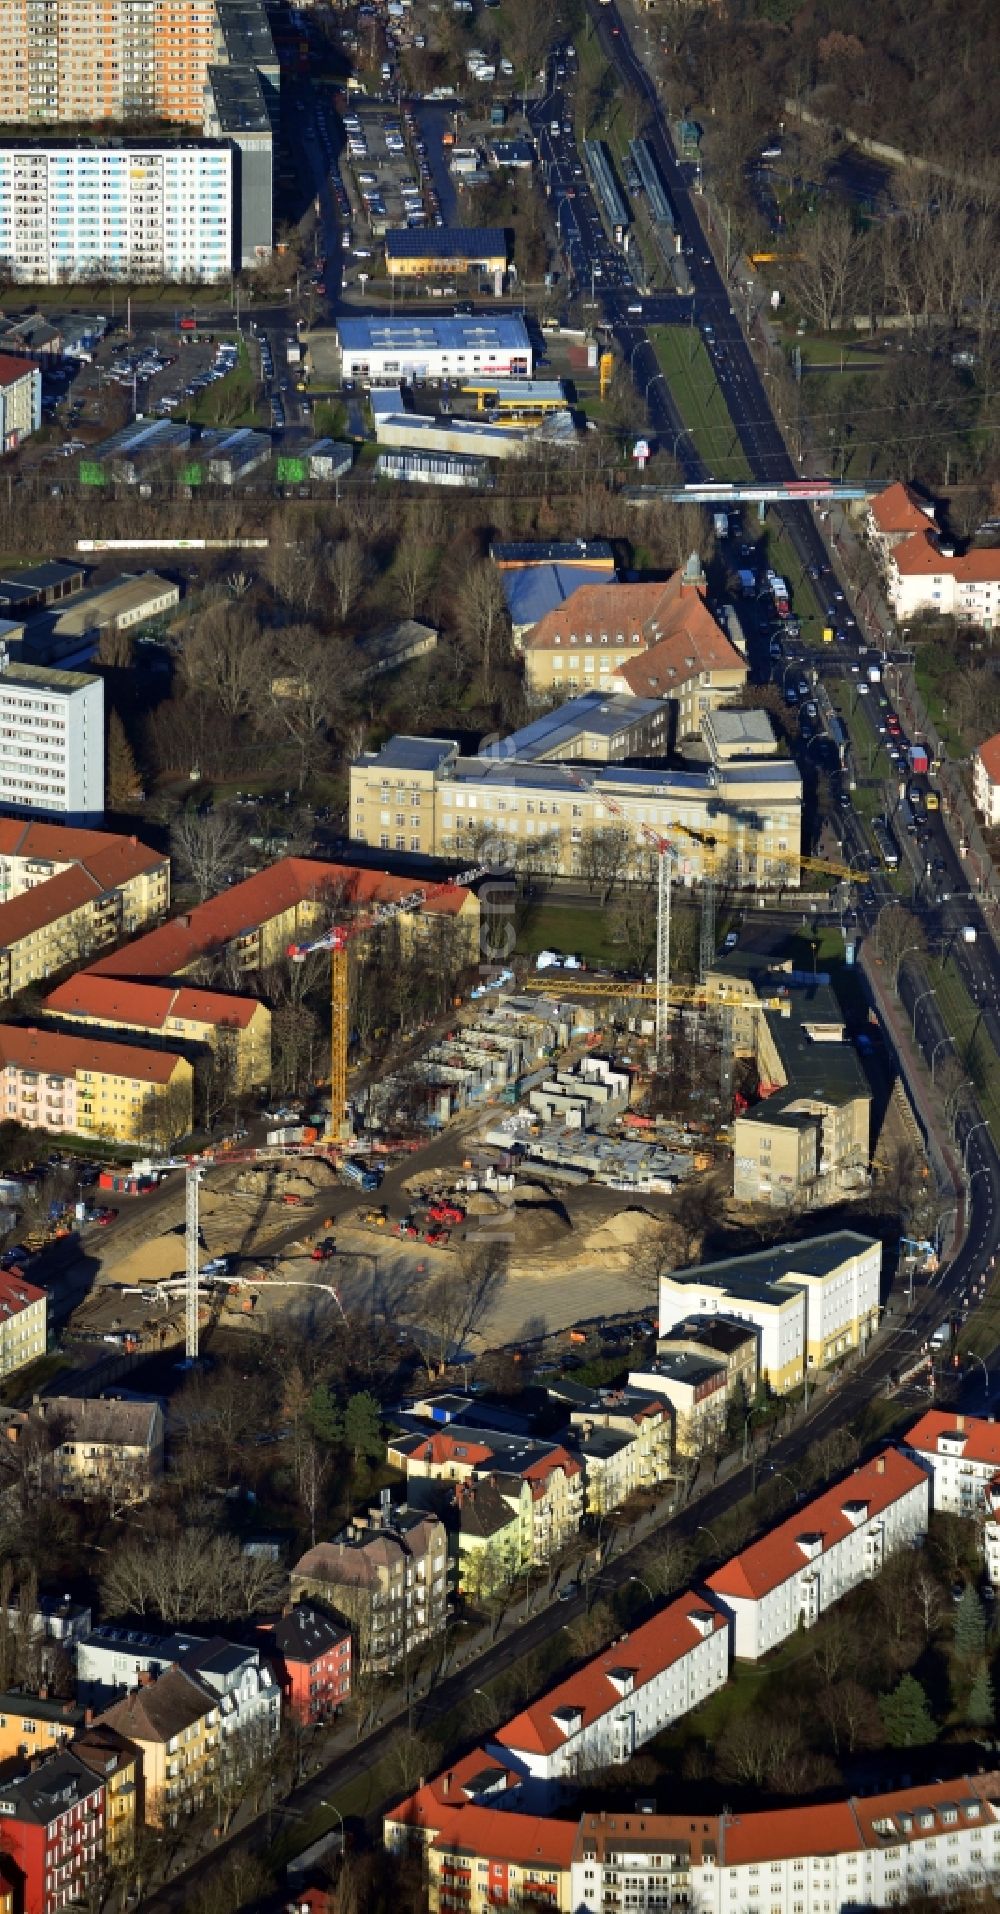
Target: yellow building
x,y
65,894
23,1321
36,1725
119,1764
174,1723
419,795
104,1448
77,1085
251,925
448,249
184,1014
483,1860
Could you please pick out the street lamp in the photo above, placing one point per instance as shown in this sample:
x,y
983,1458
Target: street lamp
x,y
703,1529
931,991
938,1046
939,1232
644,1585
983,1124
982,1365
650,385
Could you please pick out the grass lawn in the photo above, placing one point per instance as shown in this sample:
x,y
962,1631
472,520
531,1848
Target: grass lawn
x,y
982,1331
971,1041
934,667
229,402
782,558
571,929
28,1382
695,390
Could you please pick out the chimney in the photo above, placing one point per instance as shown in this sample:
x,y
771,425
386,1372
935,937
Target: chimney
x,y
43,1691
146,1677
446,1783
88,1717
960,1423
880,1465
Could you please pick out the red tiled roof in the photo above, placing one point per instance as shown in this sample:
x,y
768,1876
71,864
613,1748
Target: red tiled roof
x,y
777,1555
62,1056
538,1473
897,509
781,1833
442,1448
16,1293
618,612
62,843
982,1438
989,757
930,1799
69,890
697,645
245,907
12,369
117,1000
644,1653
523,1840
919,557
432,1805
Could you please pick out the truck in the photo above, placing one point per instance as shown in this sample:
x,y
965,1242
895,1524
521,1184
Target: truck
x,y
353,1170
918,759
969,933
721,522
874,674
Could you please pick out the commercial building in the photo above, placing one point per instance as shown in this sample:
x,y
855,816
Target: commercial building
x,y
601,1715
135,452
238,454
54,1833
311,1654
477,438
252,924
388,1575
80,1086
103,1449
236,1029
65,893
23,1321
384,351
67,633
542,817
426,254
51,742
20,401
986,781
797,1571
653,641
459,471
809,1303
962,1454
134,209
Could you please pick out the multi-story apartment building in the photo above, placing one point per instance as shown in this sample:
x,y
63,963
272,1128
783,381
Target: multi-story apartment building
x,y
624,1438
236,1029
59,910
117,1764
20,398
103,1448
388,1575
419,794
74,60
986,780
51,739
113,1659
696,1388
895,515
130,209
54,1833
807,1303
49,1081
962,1453
541,1482
921,569
23,1321
718,1339
600,1715
252,924
174,1721
311,1654
843,1537
32,1726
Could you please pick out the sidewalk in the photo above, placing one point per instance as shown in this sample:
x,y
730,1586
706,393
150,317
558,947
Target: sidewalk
x,y
913,1070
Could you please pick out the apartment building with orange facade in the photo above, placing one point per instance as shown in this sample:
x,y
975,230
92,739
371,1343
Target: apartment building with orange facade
x,y
83,60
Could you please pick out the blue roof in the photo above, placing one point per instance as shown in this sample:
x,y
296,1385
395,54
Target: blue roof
x,y
447,242
533,590
429,334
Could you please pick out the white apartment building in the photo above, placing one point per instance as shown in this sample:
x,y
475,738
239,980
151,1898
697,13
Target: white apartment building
x,y
51,743
868,1851
20,401
842,1538
809,1302
625,1696
128,209
922,574
962,1454
986,781
23,1321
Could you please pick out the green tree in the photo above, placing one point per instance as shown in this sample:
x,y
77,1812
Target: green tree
x,y
122,775
361,1427
906,1717
970,1625
324,1416
980,1709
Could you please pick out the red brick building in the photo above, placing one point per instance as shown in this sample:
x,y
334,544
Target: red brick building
x,y
311,1653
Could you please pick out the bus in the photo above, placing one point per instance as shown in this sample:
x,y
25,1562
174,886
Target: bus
x,y
886,843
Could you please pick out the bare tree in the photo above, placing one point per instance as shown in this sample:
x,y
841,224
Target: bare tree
x,y
483,611
458,1302
346,572
898,932
208,845
822,278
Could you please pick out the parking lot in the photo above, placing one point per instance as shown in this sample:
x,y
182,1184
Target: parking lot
x,y
390,170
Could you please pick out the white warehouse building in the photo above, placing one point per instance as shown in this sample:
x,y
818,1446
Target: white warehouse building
x,y
125,209
381,351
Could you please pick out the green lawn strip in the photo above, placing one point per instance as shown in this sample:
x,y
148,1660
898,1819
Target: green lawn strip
x,y
933,670
972,1042
228,403
981,1333
783,559
695,390
571,929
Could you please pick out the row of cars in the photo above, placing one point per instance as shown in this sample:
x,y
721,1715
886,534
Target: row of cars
x,y
225,361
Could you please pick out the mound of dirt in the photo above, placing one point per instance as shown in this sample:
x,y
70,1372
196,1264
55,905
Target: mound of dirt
x,y
623,1231
540,1222
481,1203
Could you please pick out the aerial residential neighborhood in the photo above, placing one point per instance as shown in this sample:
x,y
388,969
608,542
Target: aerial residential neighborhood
x,y
499,958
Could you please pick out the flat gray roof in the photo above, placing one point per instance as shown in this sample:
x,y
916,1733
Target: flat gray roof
x,y
411,754
605,714
761,1270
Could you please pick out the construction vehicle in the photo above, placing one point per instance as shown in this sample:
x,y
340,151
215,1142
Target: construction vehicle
x,y
324,1250
376,1218
444,1212
337,940
407,1227
437,1238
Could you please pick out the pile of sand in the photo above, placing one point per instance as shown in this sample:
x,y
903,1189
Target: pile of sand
x,y
481,1203
623,1231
